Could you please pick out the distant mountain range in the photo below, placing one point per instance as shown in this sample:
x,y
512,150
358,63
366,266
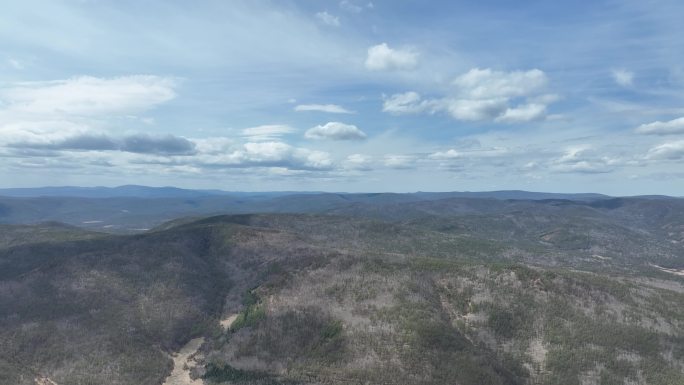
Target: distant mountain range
x,y
137,208
136,191
131,191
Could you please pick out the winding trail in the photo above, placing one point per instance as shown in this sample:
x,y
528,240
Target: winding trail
x,y
44,381
227,322
184,360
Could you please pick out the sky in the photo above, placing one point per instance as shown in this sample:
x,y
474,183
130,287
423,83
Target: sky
x,y
559,96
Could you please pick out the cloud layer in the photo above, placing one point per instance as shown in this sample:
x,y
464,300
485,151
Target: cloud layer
x,y
87,95
138,143
425,96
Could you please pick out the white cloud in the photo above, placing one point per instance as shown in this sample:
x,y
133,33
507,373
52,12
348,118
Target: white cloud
x,y
214,145
523,113
83,115
481,95
382,57
670,127
486,83
87,95
72,121
583,167
407,103
475,152
265,151
672,151
38,131
449,154
351,7
573,154
279,153
399,161
330,108
581,159
358,162
267,132
335,131
269,154
623,77
328,19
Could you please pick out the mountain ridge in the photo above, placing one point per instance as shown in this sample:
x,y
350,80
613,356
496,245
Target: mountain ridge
x,y
171,191
324,298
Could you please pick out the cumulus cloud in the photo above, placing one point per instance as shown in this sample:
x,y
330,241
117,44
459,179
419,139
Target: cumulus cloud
x,y
358,162
668,151
87,95
399,161
448,154
335,131
265,152
270,154
138,143
408,103
523,113
487,84
330,108
670,127
382,57
465,153
483,95
623,77
328,19
268,132
214,145
581,159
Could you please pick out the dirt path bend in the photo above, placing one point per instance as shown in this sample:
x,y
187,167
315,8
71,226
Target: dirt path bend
x,y
184,360
228,321
44,381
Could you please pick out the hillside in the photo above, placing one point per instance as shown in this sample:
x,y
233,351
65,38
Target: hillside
x,y
457,290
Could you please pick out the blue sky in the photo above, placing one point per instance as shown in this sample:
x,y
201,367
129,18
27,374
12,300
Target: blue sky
x,y
344,95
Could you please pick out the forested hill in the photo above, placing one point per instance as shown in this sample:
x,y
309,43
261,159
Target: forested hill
x,y
456,290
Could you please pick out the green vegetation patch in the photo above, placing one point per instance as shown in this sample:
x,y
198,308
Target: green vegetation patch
x,y
249,317
224,373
